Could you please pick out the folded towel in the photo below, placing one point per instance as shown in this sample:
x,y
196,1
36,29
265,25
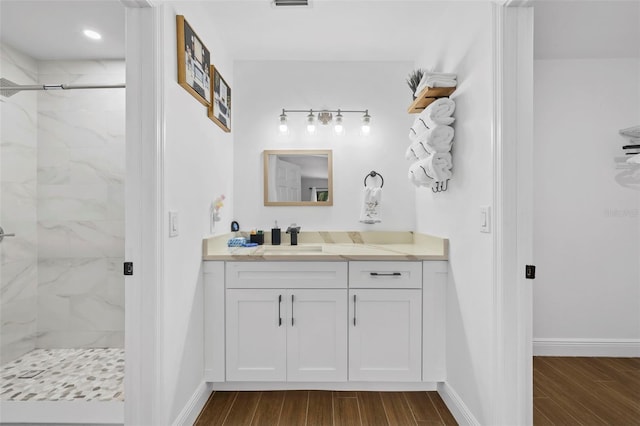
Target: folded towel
x,y
435,79
418,174
237,242
438,166
437,139
370,212
438,112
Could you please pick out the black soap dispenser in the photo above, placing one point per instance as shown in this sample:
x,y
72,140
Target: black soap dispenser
x,y
275,235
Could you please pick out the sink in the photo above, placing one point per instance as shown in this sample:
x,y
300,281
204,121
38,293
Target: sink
x,y
293,249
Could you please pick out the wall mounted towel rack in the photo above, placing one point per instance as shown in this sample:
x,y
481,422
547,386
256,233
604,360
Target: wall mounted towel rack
x,y
373,174
440,186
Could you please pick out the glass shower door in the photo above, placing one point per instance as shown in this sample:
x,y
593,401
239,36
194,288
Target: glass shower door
x,y
18,218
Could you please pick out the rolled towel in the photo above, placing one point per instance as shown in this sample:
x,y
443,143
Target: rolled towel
x,y
418,129
437,139
418,174
438,166
439,111
416,151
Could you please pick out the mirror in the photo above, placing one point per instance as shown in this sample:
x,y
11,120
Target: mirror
x,y
298,178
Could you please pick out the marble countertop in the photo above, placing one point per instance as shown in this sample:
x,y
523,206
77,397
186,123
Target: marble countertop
x,y
326,245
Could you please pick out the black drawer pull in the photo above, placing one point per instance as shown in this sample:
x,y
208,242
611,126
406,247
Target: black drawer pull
x,y
389,274
354,310
279,310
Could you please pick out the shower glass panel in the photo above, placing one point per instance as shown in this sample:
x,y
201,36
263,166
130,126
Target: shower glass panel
x,y
62,156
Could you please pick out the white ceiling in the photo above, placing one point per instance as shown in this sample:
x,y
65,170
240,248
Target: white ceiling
x,y
329,30
53,29
587,29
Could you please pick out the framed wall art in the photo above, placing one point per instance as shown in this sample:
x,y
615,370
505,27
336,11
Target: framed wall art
x,y
220,107
193,62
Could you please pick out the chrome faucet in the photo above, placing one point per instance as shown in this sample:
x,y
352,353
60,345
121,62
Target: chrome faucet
x,y
294,230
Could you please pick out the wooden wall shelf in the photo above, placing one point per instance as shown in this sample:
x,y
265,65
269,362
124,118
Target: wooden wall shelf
x,y
427,96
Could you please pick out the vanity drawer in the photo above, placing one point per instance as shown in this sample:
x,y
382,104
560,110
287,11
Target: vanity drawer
x,y
385,274
286,274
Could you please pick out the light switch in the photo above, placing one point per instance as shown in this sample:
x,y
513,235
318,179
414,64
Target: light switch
x,y
485,219
173,224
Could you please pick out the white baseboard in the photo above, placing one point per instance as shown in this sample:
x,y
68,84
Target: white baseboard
x,y
65,412
336,386
586,347
456,405
194,406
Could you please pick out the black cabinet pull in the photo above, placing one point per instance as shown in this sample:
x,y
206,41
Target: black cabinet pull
x,y
354,310
389,274
279,310
292,310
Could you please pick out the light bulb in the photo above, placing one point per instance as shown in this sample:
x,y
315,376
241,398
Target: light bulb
x,y
283,123
366,123
311,122
338,127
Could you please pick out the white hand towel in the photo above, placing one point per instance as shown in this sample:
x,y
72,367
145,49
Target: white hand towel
x,y
438,112
370,212
437,139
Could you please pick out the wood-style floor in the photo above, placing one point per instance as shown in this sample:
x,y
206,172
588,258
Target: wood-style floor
x,y
566,391
310,408
586,391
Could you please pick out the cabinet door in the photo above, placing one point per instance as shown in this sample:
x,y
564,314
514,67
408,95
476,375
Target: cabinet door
x,y
385,335
256,335
317,335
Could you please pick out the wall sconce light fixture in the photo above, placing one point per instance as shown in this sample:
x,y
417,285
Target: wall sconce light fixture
x,y
325,117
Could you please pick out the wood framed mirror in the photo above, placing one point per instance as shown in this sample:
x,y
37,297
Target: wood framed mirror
x,y
298,178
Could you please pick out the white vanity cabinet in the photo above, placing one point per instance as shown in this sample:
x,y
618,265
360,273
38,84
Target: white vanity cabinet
x,y
295,332
385,330
341,322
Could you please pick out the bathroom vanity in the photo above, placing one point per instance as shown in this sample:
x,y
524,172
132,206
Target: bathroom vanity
x,y
342,310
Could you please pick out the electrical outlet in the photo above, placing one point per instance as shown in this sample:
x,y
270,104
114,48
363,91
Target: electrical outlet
x,y
173,224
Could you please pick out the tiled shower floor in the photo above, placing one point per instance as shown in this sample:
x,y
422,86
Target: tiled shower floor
x,y
65,375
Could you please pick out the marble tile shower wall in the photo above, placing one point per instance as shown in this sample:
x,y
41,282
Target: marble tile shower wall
x,y
80,205
18,165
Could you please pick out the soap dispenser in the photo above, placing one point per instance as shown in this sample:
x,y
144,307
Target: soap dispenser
x,y
275,235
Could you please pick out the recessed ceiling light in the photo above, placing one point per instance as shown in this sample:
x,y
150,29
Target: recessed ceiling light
x,y
93,35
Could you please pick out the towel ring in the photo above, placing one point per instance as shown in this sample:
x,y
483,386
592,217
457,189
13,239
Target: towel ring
x,y
373,173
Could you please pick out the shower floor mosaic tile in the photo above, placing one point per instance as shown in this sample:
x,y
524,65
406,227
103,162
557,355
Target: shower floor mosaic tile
x,y
65,375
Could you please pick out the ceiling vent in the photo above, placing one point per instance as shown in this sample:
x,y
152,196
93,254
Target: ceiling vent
x,y
288,3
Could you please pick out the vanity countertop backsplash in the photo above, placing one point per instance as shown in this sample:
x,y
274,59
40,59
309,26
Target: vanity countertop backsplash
x,y
333,245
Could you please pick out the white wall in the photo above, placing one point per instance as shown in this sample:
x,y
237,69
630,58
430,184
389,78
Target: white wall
x,y
464,47
198,167
263,88
586,221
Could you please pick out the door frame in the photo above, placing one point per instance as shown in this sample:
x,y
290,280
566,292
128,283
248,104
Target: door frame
x,y
144,206
513,195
